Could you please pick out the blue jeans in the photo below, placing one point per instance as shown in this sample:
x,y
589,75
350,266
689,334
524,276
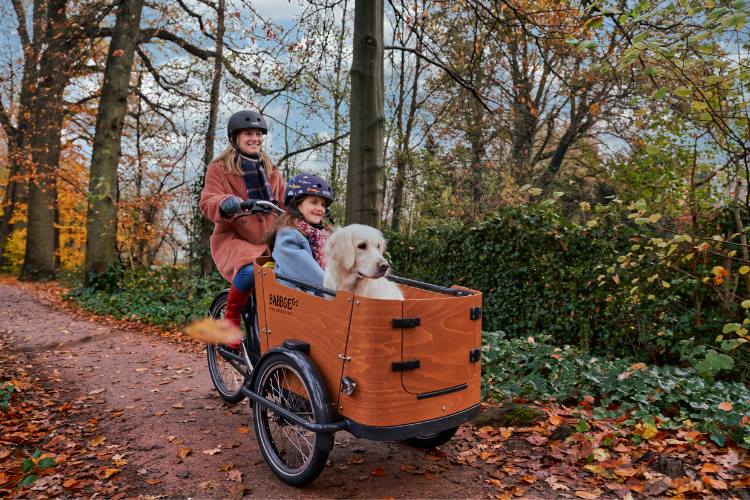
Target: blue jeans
x,y
244,280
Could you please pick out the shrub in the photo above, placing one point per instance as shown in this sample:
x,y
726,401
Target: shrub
x,y
168,296
671,396
609,283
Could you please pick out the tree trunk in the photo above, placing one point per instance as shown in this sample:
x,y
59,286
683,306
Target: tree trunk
x,y
39,256
364,179
9,202
101,230
46,112
204,226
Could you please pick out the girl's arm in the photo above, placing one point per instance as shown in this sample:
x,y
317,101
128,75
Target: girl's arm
x,y
293,257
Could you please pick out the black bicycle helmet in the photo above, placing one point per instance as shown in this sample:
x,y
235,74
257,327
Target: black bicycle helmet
x,y
245,119
307,184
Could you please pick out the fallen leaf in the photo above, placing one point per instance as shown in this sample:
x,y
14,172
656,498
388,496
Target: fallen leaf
x,y
183,452
243,430
495,483
626,472
589,494
356,459
153,481
97,441
71,484
710,468
378,472
730,459
716,484
726,406
235,475
211,452
411,469
553,481
178,405
110,472
555,420
226,467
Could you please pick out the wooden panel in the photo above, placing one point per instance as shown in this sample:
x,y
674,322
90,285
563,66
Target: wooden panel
x,y
291,313
380,398
441,343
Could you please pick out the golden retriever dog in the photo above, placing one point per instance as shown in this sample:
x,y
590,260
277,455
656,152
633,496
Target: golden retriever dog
x,y
356,264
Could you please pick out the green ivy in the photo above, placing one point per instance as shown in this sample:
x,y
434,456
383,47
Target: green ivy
x,y
168,296
535,369
602,283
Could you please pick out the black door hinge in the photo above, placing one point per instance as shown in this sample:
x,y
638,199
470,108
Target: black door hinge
x,y
475,355
475,313
402,366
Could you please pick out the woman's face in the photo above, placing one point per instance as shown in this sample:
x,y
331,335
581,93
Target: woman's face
x,y
249,141
313,209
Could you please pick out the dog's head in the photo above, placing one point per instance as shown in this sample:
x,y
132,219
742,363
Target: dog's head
x,y
358,249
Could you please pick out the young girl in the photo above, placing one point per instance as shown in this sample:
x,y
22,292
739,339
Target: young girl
x,y
299,236
243,171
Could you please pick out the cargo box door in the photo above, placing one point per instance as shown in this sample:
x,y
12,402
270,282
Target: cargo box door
x,y
440,352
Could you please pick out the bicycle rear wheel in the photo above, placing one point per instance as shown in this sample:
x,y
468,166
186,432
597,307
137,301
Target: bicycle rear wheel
x,y
226,366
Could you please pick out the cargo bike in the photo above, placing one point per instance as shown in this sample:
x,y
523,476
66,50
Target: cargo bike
x,y
316,361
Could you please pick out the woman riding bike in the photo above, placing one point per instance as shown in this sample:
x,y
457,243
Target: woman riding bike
x,y
242,172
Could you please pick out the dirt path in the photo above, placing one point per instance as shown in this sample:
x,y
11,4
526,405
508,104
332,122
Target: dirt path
x,y
154,401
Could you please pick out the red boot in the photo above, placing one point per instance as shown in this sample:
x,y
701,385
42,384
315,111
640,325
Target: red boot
x,y
235,302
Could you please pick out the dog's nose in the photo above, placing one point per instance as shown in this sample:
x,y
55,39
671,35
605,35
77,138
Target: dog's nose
x,y
383,267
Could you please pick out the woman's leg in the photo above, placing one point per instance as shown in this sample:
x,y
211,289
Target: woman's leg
x,y
242,286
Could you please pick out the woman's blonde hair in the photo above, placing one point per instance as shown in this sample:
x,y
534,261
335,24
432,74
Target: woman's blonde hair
x,y
230,159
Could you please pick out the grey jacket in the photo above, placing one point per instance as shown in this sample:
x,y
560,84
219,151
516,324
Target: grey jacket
x,y
294,257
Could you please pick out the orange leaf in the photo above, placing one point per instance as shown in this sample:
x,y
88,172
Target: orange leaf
x,y
555,420
378,472
626,472
70,484
716,484
243,430
588,494
97,441
118,53
710,468
726,406
110,472
153,481
183,452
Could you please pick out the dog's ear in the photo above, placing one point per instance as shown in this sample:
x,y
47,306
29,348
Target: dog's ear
x,y
340,248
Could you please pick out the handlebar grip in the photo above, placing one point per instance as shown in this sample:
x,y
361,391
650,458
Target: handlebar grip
x,y
260,206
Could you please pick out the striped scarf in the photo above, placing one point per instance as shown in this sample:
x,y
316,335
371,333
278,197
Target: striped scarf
x,y
255,179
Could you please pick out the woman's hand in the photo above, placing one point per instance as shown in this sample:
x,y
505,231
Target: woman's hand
x,y
230,207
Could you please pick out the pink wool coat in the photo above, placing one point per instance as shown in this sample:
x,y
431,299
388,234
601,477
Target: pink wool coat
x,y
236,241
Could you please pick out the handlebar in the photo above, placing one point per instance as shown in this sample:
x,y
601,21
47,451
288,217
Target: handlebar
x,y
260,206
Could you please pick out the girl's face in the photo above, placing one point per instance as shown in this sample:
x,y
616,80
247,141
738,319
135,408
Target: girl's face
x,y
249,141
313,209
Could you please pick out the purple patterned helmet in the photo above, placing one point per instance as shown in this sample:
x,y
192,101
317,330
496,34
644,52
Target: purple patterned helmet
x,y
307,184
